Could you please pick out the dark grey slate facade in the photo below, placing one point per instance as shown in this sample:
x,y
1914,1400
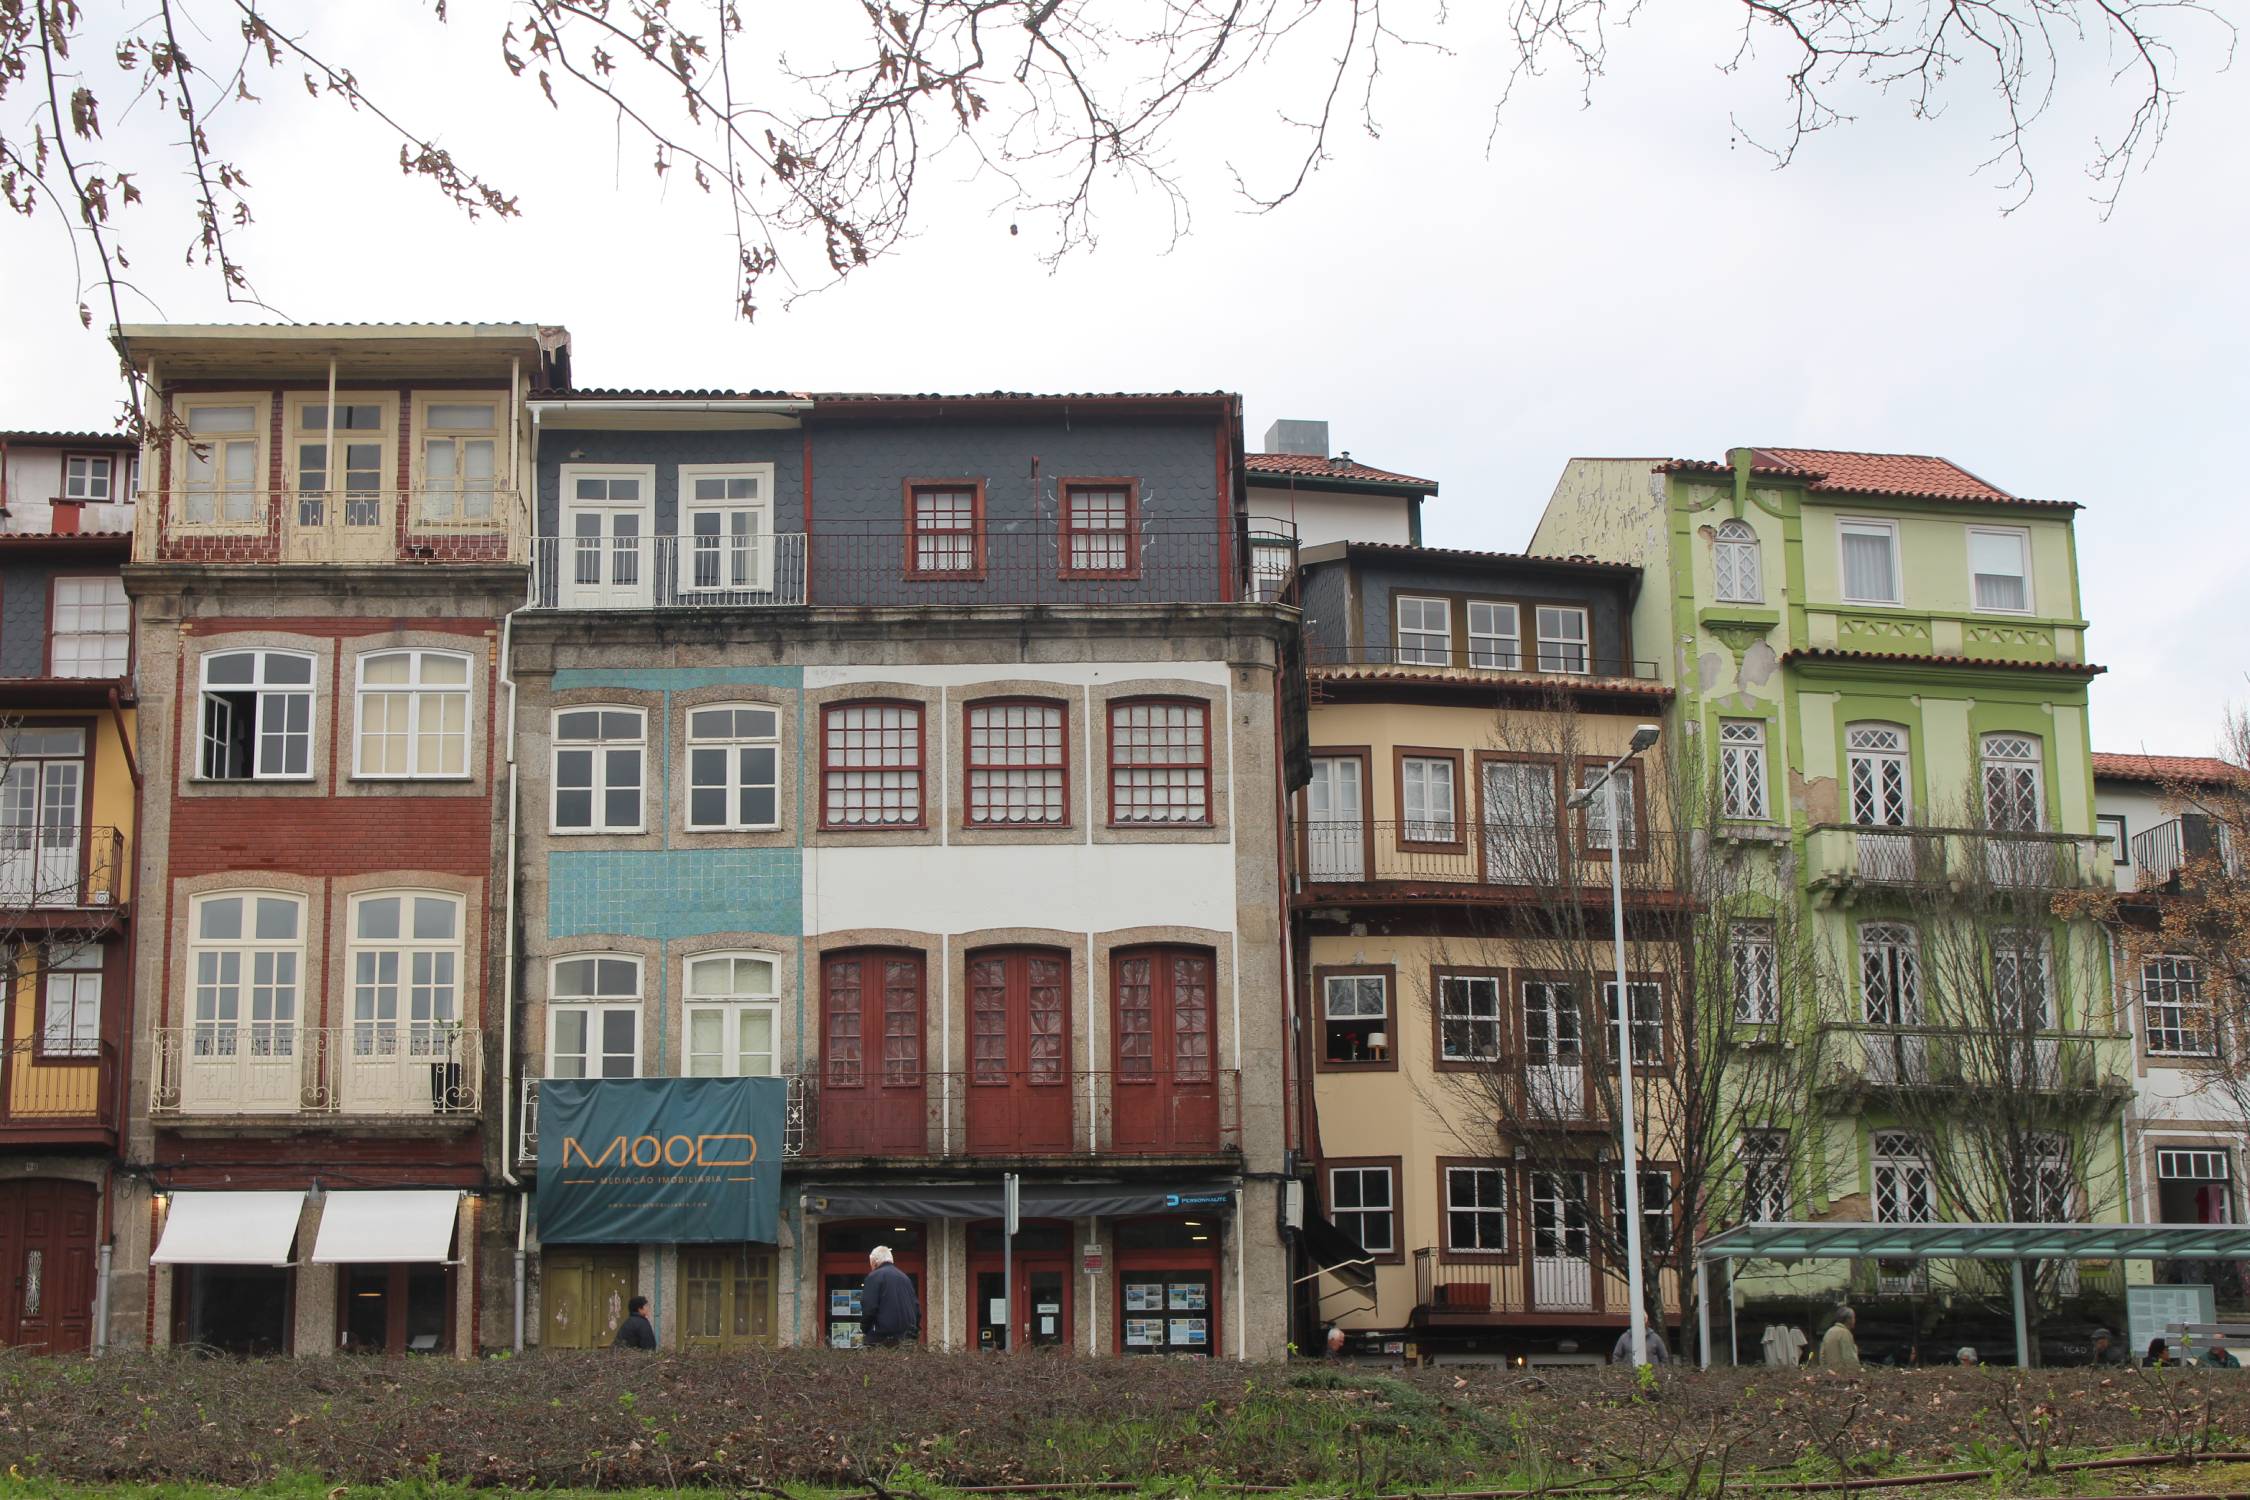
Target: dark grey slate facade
x,y
1350,600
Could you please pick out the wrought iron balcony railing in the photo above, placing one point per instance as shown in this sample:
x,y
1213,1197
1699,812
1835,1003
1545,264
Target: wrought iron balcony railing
x,y
1863,1057
1479,857
470,523
1850,854
396,1069
2163,851
1563,662
1559,1276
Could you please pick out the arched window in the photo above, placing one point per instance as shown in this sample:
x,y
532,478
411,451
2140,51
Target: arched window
x,y
413,714
594,1017
599,769
246,961
1736,566
731,1014
257,716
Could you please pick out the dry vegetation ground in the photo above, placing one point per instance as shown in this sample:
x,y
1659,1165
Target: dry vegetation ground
x,y
895,1422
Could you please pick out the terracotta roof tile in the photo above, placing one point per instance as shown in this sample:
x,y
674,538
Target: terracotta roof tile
x,y
1312,466
2120,766
1835,653
1886,473
68,439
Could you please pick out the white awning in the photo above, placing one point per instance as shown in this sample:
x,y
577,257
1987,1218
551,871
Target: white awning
x,y
395,1226
229,1229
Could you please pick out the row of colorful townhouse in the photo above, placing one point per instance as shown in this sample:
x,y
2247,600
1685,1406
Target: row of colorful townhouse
x,y
1042,785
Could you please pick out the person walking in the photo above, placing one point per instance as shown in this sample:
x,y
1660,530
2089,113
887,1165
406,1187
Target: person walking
x,y
1621,1352
636,1332
888,1309
1838,1349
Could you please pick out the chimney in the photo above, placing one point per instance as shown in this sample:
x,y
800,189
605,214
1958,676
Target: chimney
x,y
1288,436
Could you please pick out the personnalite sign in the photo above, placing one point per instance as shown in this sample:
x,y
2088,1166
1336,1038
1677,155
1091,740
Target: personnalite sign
x,y
660,1160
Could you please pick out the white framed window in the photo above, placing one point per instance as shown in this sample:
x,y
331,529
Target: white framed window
x,y
1476,1210
462,441
734,754
1737,568
1742,768
348,473
1890,974
1626,783
1647,1026
1356,1015
732,1011
257,716
1901,1176
71,1025
1425,631
93,627
1878,771
1868,551
2046,1186
1754,972
594,1017
220,462
1361,1202
2175,1015
1429,799
1550,1025
726,528
1469,1020
1656,1208
405,961
2014,800
2111,826
413,714
244,963
2192,1164
1765,1177
87,476
600,765
1563,639
1495,635
2000,569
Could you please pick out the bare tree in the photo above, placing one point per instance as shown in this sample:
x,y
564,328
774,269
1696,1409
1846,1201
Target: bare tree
x,y
1721,965
818,161
1985,1038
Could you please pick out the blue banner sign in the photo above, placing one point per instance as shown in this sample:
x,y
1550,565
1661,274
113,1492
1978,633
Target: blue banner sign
x,y
672,1161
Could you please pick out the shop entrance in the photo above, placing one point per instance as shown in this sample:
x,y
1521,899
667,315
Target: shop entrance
x,y
394,1309
245,1310
1168,1285
1043,1312
729,1296
843,1271
582,1295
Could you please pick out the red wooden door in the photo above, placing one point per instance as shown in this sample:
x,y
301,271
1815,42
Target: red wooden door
x,y
1166,1088
873,1089
47,1236
1019,1052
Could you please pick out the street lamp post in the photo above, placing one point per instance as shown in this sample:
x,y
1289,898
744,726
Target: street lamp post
x,y
1643,738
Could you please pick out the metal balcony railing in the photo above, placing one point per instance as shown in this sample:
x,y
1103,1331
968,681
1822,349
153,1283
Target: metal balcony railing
x,y
1491,857
470,523
668,572
2163,851
46,1082
1469,1287
993,1113
1850,854
44,868
1501,658
396,1069
1863,1056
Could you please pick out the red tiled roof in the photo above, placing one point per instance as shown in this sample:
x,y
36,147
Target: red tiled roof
x,y
1709,466
1886,473
2159,768
1836,653
1312,466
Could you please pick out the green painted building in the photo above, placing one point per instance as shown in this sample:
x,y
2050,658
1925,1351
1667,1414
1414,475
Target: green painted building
x,y
1881,662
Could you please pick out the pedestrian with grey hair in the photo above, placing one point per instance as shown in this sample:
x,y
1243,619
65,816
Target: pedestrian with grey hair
x,y
1838,1349
1966,1356
888,1308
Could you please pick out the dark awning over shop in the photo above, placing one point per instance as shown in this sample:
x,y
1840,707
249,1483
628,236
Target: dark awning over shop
x,y
1036,1200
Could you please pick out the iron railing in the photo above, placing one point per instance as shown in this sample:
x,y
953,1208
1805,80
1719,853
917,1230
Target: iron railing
x,y
1521,658
48,1082
46,868
992,1113
1465,858
1851,854
763,569
395,1069
2163,851
472,524
1868,1056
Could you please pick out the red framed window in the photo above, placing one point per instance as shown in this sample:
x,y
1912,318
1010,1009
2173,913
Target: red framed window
x,y
871,765
1164,1013
944,528
859,993
1160,762
1098,523
1018,764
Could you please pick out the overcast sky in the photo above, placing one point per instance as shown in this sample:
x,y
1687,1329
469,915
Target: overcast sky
x,y
1628,278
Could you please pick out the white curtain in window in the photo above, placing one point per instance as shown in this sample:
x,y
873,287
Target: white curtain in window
x,y
1868,571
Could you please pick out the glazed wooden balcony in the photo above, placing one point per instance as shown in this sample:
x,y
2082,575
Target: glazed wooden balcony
x,y
479,524
1344,860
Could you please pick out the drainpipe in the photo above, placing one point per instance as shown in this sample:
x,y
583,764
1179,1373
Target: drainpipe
x,y
508,962
101,1300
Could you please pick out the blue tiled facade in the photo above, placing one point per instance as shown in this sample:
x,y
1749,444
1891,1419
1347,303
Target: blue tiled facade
x,y
674,893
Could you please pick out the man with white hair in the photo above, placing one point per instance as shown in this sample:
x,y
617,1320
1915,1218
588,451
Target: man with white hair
x,y
888,1310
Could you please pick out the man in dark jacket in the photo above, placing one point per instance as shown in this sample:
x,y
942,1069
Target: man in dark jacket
x,y
636,1332
887,1307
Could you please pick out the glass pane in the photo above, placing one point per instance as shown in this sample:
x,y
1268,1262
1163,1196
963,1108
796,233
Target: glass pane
x,y
205,419
277,918
433,918
391,668
221,918
288,669
445,671
620,976
756,1042
462,416
378,917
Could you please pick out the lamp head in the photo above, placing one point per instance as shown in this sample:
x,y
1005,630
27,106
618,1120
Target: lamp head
x,y
1644,737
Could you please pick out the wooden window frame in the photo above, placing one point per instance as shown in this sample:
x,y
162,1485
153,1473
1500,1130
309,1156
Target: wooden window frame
x,y
1396,1166
1844,525
2122,840
976,533
1564,817
921,767
970,766
43,975
1459,843
1469,635
1510,1253
1667,1040
730,1006
1506,1056
1399,633
1582,830
416,692
596,1006
1584,643
1762,786
875,1071
730,743
2022,536
1210,774
1364,754
178,460
1388,973
505,413
259,689
1069,530
1611,1175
